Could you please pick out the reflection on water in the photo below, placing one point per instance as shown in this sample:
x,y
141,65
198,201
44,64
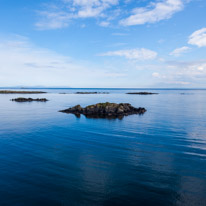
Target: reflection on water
x,y
51,158
101,116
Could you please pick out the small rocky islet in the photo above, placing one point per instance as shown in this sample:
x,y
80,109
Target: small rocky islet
x,y
21,99
92,93
86,93
142,93
105,110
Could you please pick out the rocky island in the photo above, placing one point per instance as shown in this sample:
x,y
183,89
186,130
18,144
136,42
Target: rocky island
x,y
92,93
141,93
105,110
20,92
21,99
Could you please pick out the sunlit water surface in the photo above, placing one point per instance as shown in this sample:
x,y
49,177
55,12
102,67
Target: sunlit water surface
x,y
57,159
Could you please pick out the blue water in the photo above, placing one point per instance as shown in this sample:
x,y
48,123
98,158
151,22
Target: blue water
x,y
52,158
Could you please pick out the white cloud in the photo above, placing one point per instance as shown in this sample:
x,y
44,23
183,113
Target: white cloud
x,y
201,67
156,74
198,38
179,51
154,12
104,23
133,54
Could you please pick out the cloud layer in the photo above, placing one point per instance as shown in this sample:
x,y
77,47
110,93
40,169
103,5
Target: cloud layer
x,y
59,16
23,64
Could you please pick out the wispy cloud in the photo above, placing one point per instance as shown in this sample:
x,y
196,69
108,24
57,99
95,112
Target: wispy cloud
x,y
177,73
120,34
198,38
177,52
104,23
133,54
53,20
90,8
154,12
22,63
55,17
192,69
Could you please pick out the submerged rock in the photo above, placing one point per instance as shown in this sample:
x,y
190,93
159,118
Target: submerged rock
x,y
105,110
21,99
141,93
20,92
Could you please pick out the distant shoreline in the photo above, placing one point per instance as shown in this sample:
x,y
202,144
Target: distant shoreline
x,y
20,92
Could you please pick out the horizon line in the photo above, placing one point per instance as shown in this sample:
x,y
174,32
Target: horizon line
x,y
154,88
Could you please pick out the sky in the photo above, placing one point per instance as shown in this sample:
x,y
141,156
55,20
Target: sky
x,y
103,43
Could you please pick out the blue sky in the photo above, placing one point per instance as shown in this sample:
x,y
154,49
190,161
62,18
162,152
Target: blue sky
x,y
103,43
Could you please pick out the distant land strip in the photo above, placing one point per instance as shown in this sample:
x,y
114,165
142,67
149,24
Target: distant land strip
x,y
20,92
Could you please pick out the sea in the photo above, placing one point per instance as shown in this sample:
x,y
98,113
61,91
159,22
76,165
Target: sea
x,y
57,159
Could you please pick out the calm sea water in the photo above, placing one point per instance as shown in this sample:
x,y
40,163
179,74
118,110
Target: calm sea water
x,y
52,158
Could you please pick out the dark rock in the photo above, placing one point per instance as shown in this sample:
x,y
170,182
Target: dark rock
x,y
105,110
21,99
141,93
20,92
186,93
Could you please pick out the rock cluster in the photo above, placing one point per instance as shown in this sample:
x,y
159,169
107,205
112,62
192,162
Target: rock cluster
x,y
21,99
105,110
